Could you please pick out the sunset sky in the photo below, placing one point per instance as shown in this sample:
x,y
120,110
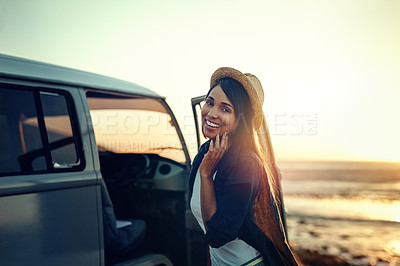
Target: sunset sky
x,y
330,69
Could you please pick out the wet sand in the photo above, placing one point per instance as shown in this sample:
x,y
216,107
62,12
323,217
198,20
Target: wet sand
x,y
343,213
320,241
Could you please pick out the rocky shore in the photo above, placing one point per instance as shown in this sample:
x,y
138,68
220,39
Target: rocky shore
x,y
309,257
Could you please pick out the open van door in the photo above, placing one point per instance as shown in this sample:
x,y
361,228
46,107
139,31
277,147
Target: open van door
x,y
197,104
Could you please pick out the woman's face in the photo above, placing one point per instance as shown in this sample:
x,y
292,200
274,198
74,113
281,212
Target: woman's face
x,y
217,115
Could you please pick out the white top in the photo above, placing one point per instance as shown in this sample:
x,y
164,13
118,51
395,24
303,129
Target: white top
x,y
236,252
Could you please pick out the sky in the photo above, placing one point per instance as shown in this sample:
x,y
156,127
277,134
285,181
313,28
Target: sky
x,y
330,69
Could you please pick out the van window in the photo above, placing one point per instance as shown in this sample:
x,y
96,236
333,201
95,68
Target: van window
x,y
124,124
36,132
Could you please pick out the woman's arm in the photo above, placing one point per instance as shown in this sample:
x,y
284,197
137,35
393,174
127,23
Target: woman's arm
x,y
207,170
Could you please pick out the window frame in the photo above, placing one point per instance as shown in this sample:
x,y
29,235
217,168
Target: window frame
x,y
46,145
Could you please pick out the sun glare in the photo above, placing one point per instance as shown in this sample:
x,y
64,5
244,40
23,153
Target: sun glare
x,y
393,247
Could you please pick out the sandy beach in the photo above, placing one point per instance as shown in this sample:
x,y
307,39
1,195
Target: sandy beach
x,y
342,214
322,242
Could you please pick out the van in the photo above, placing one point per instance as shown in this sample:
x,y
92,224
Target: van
x,y
93,171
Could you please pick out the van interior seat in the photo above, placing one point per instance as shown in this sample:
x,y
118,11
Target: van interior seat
x,y
120,237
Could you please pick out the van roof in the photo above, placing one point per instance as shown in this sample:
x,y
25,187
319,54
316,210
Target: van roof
x,y
26,69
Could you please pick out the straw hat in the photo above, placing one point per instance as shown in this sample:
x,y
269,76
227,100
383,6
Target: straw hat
x,y
252,86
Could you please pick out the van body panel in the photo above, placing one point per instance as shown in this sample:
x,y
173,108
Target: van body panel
x,y
47,228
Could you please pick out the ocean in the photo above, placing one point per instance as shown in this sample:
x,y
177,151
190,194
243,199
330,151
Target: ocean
x,y
349,210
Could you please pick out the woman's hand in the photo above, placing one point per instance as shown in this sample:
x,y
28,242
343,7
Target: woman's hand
x,y
213,156
207,170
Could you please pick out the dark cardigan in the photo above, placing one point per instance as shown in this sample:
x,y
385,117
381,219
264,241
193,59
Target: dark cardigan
x,y
236,185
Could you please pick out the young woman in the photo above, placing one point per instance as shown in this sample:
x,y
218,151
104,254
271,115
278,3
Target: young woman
x,y
233,196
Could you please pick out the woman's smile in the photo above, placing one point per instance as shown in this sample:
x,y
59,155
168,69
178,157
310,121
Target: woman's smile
x,y
211,124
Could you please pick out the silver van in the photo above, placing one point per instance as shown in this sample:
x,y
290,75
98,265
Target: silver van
x,y
93,171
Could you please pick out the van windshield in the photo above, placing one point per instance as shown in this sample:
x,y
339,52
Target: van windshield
x,y
134,125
